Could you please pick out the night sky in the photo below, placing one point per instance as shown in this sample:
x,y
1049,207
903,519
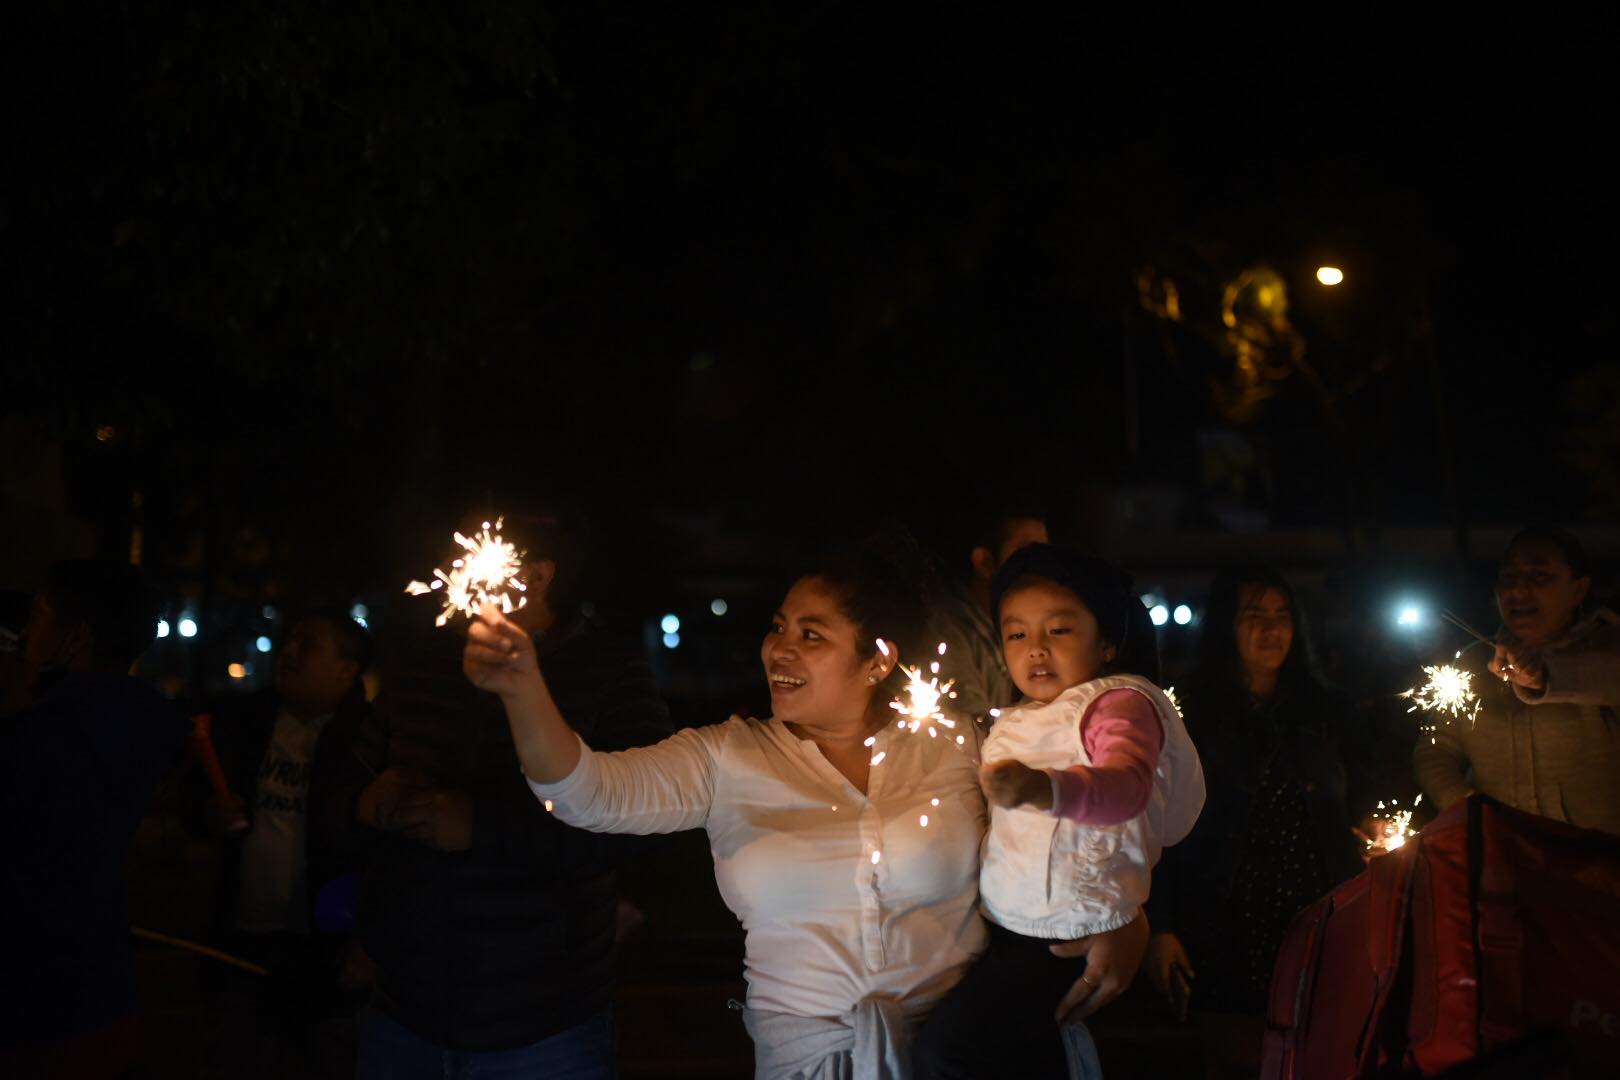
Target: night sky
x,y
737,277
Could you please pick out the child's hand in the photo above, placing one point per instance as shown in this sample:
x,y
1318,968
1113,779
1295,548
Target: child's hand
x,y
1009,784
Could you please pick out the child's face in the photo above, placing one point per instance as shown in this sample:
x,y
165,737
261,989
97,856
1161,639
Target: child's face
x,y
1051,640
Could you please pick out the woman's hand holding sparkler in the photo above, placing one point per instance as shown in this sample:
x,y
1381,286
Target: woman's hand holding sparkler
x,y
1010,784
500,655
1519,664
500,658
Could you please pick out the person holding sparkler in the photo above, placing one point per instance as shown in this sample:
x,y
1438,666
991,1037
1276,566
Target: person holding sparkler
x,y
1087,779
847,845
1276,831
1544,737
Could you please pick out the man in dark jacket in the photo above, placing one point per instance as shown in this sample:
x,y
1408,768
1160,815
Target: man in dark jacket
x,y
77,770
278,751
491,924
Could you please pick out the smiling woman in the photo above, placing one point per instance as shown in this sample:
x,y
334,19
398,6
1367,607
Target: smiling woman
x,y
1557,668
1276,831
848,848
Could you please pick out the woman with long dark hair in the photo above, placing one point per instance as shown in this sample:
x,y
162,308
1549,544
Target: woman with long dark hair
x,y
1276,831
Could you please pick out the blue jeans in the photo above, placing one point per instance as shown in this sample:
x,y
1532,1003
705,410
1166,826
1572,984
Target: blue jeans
x,y
391,1051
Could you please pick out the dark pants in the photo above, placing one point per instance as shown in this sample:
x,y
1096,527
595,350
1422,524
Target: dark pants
x,y
998,1021
293,1022
391,1051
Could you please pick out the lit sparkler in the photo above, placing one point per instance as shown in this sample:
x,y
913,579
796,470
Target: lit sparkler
x,y
922,697
1449,693
1394,826
488,572
919,701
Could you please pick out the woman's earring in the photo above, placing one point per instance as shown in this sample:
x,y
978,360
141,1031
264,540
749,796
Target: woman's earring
x,y
871,680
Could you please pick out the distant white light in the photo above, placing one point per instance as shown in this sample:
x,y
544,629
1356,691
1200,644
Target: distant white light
x,y
188,627
163,628
672,641
719,607
360,611
670,624
1182,615
1329,275
1409,616
263,644
1160,614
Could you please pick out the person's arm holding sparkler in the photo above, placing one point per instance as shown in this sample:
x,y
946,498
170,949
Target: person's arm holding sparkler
x,y
662,788
1586,674
500,657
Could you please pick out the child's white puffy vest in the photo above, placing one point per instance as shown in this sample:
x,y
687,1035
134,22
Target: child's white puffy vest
x,y
1045,877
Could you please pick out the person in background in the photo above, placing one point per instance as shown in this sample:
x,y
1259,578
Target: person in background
x,y
77,771
14,607
492,924
962,619
1553,684
1277,829
278,749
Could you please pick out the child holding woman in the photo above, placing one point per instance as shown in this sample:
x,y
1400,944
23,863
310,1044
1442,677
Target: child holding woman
x,y
1088,779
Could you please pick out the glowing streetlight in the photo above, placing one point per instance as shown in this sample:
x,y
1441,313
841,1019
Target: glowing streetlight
x,y
1329,275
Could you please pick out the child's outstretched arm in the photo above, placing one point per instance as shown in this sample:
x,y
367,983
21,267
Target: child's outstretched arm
x,y
1123,738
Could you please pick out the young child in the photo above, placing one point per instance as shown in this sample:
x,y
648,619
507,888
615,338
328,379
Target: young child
x,y
1088,779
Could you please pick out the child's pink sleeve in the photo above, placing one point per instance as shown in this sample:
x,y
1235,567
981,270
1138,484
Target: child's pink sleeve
x,y
1122,736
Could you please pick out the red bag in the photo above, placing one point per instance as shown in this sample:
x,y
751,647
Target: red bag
x,y
1491,941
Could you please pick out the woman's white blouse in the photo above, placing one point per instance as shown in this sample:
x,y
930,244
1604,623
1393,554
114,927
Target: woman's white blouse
x,y
841,895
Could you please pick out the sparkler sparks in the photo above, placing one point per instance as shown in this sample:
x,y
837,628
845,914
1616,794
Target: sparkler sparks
x,y
489,571
921,698
1394,826
1449,693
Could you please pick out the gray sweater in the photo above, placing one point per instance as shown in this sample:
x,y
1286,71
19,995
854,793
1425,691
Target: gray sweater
x,y
1556,753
